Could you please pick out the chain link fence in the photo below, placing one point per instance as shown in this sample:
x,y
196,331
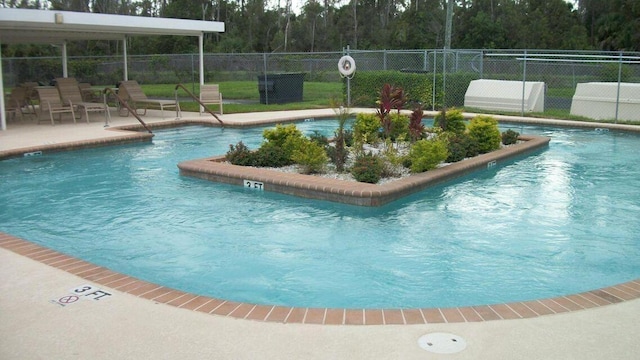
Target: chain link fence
x,y
434,78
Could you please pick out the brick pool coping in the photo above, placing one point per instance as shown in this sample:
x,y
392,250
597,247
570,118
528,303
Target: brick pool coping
x,y
352,192
327,316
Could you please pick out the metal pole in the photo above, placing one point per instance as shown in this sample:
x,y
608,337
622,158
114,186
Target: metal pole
x,y
524,81
433,85
618,92
3,115
266,88
348,84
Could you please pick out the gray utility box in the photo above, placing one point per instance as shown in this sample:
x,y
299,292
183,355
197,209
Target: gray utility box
x,y
280,88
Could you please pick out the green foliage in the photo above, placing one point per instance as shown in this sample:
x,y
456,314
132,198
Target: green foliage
x,y
399,127
366,128
240,154
484,129
510,137
318,138
311,156
460,146
418,87
271,155
427,154
609,72
367,168
287,137
453,121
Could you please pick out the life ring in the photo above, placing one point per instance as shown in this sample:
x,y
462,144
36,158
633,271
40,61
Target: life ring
x,y
346,65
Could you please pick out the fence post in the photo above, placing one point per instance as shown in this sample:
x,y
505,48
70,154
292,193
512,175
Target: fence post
x,y
433,86
264,71
619,81
524,82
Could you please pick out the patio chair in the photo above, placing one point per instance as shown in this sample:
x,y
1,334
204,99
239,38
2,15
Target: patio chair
x,y
51,103
131,92
71,95
18,104
211,95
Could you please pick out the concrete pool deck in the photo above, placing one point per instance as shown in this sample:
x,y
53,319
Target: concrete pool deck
x,y
126,326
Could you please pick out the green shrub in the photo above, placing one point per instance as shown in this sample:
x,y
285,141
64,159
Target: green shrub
x,y
461,146
510,137
366,128
311,156
367,168
484,129
286,137
453,121
427,154
610,72
318,138
271,155
399,127
240,155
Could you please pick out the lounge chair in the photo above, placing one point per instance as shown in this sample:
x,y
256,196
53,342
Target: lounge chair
x,y
211,95
18,103
51,103
71,95
131,92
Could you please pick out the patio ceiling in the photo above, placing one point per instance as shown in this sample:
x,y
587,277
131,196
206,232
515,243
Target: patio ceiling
x,y
55,27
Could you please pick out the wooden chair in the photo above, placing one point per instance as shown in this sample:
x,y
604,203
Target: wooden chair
x,y
51,103
211,95
70,93
131,92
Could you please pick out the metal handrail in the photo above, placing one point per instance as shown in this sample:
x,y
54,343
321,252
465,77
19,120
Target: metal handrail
x,y
197,100
122,102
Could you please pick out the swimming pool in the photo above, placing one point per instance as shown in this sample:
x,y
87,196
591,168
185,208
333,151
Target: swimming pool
x,y
558,222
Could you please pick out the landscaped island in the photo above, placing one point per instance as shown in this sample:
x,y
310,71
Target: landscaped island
x,y
388,144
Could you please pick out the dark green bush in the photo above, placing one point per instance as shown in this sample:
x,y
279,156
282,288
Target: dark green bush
x,y
484,129
240,155
461,146
367,168
510,137
271,155
318,138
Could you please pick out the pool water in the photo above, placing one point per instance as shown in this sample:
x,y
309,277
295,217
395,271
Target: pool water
x,y
561,221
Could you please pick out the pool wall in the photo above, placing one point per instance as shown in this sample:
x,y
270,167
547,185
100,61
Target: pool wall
x,y
351,192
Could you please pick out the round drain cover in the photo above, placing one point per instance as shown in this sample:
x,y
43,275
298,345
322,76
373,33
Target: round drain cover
x,y
442,343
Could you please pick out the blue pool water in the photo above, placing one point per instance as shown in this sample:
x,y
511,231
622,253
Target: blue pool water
x,y
561,221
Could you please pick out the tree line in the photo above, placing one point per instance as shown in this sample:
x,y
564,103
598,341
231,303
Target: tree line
x,y
331,25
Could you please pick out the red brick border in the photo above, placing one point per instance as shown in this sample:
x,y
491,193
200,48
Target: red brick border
x,y
325,316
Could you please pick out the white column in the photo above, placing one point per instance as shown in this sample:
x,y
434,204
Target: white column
x,y
65,72
201,45
124,53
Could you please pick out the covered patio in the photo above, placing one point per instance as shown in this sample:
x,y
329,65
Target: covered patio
x,y
22,26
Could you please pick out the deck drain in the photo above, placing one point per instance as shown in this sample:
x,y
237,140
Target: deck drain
x,y
442,343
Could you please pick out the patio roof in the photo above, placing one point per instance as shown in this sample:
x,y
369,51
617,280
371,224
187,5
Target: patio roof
x,y
29,26
56,27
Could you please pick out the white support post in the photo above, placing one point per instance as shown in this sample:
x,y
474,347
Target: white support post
x,y
201,66
65,72
124,54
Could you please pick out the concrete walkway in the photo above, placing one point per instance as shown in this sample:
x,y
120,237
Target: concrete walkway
x,y
123,326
